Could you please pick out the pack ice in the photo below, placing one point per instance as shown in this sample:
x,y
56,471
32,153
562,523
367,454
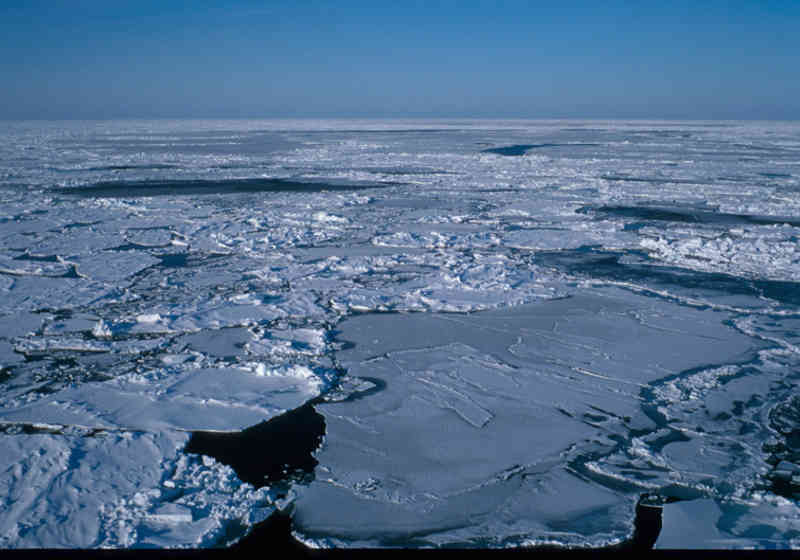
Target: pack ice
x,y
513,330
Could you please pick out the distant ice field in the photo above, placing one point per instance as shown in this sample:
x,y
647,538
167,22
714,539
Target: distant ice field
x,y
511,331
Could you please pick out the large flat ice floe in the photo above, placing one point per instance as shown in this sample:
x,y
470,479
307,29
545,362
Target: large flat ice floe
x,y
487,426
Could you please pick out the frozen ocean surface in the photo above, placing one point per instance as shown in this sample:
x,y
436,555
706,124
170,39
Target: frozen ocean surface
x,y
403,333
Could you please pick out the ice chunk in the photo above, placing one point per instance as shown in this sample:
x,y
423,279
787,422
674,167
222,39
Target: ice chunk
x,y
101,330
170,513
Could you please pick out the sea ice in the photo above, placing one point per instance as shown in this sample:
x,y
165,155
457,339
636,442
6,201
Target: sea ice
x,y
484,415
126,320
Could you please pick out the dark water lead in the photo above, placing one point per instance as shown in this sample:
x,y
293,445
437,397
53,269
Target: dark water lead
x,y
186,260
269,452
606,265
28,256
646,526
687,215
130,167
132,189
277,450
522,149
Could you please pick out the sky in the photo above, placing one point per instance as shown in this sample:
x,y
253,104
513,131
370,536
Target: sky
x,y
86,59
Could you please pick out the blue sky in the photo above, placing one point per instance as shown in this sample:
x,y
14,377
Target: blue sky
x,y
550,59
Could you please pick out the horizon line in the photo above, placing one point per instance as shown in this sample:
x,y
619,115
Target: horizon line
x,y
396,117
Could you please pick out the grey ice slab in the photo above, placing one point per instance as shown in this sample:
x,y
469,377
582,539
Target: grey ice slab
x,y
472,437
